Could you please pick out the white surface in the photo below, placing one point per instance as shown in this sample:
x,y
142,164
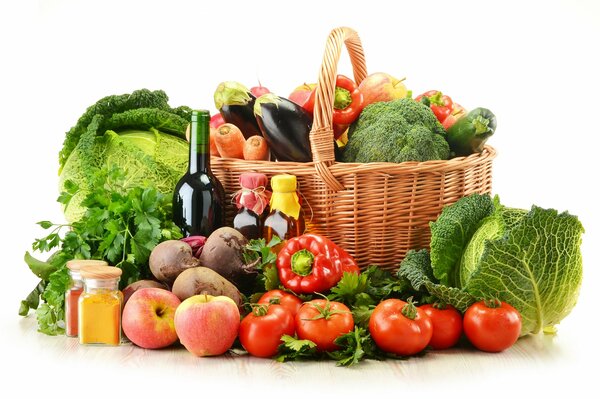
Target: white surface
x,y
533,63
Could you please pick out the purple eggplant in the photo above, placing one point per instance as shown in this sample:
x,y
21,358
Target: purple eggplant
x,y
286,127
235,103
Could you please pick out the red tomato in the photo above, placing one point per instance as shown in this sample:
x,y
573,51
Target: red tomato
x,y
492,327
447,325
322,321
400,328
279,297
261,330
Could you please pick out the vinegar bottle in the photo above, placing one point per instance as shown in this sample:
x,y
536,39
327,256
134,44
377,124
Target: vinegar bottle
x,y
286,219
198,199
252,202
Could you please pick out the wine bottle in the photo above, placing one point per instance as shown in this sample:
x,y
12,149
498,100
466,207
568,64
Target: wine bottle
x,y
199,198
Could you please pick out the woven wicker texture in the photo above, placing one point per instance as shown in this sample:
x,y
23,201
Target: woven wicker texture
x,y
376,211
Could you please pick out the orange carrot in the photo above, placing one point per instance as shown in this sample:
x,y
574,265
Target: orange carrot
x,y
230,141
213,146
256,149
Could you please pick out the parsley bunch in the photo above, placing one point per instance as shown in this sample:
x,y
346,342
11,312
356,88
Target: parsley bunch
x,y
119,226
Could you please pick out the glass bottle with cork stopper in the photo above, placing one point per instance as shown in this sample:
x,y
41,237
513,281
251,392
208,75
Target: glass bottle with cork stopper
x,y
74,291
286,218
100,306
251,201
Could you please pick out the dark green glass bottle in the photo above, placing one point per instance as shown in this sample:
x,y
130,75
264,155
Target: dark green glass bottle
x,y
199,198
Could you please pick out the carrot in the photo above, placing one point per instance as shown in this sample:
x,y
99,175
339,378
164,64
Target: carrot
x,y
256,149
230,141
213,146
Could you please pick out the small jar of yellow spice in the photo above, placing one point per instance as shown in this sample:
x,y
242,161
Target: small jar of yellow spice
x,y
100,306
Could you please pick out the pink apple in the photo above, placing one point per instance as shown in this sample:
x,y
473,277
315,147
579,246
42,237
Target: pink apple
x,y
207,325
149,318
381,86
133,287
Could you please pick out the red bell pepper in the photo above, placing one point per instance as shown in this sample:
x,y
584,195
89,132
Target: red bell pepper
x,y
347,106
440,104
311,263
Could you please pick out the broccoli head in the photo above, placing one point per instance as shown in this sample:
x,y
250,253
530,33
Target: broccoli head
x,y
396,131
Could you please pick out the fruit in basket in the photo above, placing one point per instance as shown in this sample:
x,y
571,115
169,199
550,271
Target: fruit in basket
x,y
396,131
303,95
381,86
286,126
259,90
207,325
148,318
235,102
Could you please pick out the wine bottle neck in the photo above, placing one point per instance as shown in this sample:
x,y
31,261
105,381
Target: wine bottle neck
x,y
199,143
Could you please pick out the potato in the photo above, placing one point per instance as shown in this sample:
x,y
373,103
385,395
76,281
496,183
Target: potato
x,y
202,280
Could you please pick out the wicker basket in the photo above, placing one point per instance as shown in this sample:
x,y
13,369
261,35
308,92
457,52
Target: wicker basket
x,y
376,211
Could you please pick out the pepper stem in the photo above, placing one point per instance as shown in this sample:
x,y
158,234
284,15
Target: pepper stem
x,y
302,262
481,124
342,98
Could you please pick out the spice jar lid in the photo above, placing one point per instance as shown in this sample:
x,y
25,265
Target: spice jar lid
x,y
252,180
77,264
283,183
99,272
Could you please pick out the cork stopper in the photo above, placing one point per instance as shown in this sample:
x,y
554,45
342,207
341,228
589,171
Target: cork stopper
x,y
283,183
77,264
100,272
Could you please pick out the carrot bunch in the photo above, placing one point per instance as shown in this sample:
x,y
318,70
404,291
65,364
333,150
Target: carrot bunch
x,y
229,142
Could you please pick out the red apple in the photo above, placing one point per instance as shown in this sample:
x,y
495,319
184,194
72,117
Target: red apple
x,y
207,325
133,287
259,90
381,86
148,318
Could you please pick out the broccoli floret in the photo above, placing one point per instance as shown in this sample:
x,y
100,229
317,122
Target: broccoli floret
x,y
396,131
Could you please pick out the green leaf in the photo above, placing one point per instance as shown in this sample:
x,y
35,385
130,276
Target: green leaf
x,y
45,224
451,233
271,278
295,349
41,269
536,267
416,268
32,301
354,346
349,286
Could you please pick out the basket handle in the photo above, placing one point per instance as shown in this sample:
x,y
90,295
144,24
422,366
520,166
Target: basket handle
x,y
321,134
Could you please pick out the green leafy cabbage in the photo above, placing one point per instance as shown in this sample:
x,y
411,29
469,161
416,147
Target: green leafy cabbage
x,y
529,259
138,133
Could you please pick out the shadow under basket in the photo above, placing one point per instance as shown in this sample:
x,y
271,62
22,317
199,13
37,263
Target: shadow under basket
x,y
376,211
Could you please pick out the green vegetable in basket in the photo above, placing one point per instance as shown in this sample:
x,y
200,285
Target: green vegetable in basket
x,y
482,249
470,132
138,132
396,131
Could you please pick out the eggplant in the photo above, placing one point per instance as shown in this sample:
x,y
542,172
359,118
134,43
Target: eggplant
x,y
235,103
285,126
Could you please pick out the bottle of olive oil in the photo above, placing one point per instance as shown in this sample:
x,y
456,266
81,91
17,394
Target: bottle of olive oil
x,y
198,199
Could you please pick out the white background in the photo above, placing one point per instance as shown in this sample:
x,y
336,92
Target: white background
x,y
535,64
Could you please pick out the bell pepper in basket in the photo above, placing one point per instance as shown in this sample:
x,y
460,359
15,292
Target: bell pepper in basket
x,y
311,263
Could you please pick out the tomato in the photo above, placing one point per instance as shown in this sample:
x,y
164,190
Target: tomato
x,y
492,326
400,328
447,325
288,300
261,330
322,321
